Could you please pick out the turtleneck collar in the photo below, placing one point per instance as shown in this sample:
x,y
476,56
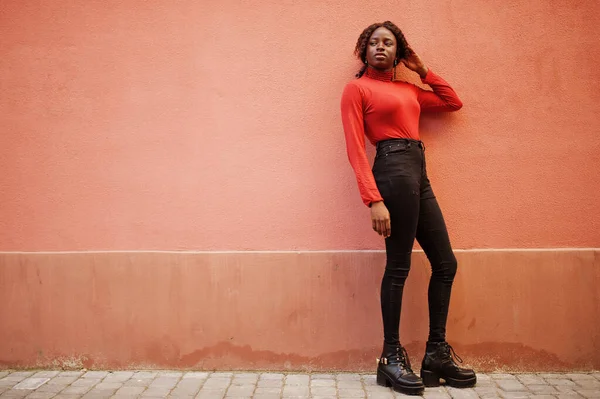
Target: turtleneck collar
x,y
379,75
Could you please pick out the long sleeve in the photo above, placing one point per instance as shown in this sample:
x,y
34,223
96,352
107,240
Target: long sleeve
x,y
354,130
442,98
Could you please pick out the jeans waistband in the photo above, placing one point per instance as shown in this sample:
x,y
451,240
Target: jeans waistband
x,y
389,143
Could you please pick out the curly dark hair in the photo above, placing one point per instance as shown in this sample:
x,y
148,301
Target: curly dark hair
x,y
361,45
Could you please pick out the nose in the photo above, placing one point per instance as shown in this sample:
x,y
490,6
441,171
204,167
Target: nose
x,y
379,47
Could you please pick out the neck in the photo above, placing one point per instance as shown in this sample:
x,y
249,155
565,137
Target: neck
x,y
380,74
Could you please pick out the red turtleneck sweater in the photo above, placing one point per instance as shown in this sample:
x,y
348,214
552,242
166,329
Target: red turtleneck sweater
x,y
379,108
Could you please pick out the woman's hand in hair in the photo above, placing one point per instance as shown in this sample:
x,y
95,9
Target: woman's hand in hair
x,y
413,62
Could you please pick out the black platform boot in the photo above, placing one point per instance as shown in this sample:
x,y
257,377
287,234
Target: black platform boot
x,y
393,370
439,363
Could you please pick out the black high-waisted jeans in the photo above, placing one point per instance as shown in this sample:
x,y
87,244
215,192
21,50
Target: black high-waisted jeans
x,y
401,176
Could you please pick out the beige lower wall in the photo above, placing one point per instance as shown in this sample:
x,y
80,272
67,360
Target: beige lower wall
x,y
511,309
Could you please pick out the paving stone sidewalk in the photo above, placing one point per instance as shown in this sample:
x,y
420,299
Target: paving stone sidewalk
x,y
262,385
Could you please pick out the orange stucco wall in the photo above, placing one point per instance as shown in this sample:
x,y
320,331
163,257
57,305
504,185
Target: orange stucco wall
x,y
511,310
128,128
215,125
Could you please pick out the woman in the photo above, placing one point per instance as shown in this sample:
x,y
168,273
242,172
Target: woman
x,y
403,206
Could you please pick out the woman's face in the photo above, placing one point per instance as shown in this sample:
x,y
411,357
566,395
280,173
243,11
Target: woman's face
x,y
381,49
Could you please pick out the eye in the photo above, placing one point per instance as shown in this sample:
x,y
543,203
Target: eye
x,y
372,43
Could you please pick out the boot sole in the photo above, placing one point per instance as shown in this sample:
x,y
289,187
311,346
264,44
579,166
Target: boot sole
x,y
431,380
384,381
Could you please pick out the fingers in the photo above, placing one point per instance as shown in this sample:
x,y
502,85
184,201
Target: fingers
x,y
411,56
387,228
380,219
382,227
377,226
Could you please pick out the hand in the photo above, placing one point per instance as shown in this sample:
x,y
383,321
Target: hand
x,y
413,62
380,217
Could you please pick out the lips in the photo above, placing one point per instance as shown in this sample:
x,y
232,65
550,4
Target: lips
x,y
380,56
